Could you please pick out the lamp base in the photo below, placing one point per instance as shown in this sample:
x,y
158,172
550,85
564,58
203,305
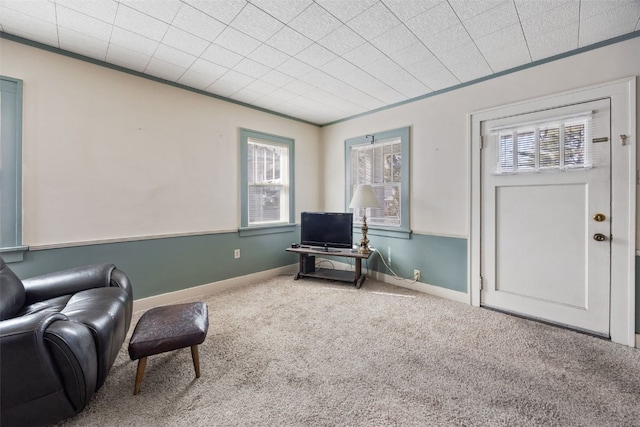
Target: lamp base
x,y
364,242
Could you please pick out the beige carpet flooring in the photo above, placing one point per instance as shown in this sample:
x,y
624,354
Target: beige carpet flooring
x,y
316,353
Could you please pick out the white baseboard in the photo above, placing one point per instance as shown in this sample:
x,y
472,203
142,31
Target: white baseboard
x,y
209,288
426,288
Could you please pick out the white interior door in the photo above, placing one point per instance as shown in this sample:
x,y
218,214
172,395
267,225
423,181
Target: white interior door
x,y
544,252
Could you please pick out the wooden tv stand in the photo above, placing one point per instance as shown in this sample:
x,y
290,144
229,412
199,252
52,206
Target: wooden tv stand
x,y
356,278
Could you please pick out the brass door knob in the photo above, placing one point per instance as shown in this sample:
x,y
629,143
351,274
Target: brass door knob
x,y
599,217
599,237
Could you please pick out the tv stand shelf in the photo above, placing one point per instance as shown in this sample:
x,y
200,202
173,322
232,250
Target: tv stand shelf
x,y
354,277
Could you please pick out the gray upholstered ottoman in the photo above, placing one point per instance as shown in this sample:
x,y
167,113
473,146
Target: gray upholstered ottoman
x,y
168,328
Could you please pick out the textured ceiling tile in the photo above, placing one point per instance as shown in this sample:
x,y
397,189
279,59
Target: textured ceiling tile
x,y
561,40
528,9
276,78
203,66
502,16
591,8
363,55
196,80
565,14
236,41
374,21
223,88
283,10
289,41
459,54
163,10
82,44
132,41
433,74
198,23
471,66
247,96
316,55
342,40
338,67
184,41
448,40
508,56
299,87
434,21
266,55
222,10
251,68
45,11
501,38
164,70
81,23
221,56
104,10
612,23
30,28
140,23
174,56
369,84
346,10
281,95
417,52
315,22
467,9
407,9
256,23
294,68
236,78
127,58
262,87
394,40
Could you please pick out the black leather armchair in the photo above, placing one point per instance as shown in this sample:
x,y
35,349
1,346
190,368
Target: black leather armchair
x,y
59,336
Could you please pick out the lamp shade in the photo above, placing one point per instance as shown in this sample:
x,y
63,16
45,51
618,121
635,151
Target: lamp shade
x,y
364,197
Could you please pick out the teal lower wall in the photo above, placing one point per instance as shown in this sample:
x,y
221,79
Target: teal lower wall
x,y
442,261
164,265
158,266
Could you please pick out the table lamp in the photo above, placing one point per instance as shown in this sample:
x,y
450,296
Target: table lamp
x,y
364,197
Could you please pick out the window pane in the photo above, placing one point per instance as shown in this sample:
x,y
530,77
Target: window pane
x,y
574,144
264,204
526,150
550,147
506,152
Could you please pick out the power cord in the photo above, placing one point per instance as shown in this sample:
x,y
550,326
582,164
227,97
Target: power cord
x,y
394,274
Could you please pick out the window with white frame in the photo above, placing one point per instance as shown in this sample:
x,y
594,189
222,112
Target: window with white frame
x,y
555,145
381,160
266,179
11,169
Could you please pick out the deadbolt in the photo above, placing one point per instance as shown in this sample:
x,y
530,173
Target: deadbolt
x,y
599,237
599,217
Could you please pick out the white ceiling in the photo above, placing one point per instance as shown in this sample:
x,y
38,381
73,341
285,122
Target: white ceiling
x,y
319,60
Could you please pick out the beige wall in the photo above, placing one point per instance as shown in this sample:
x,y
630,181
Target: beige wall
x,y
108,155
440,170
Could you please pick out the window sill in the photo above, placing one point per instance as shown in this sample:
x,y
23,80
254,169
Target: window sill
x,y
13,254
398,233
267,229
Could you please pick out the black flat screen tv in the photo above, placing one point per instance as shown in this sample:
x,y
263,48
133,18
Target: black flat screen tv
x,y
327,229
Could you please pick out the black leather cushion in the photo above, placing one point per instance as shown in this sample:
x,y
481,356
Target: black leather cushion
x,y
102,310
169,328
12,294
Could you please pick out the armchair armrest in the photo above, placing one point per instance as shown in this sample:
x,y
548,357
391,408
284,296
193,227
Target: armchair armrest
x,y
67,282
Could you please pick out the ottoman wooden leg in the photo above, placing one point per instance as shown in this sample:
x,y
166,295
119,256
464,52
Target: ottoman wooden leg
x,y
142,363
196,359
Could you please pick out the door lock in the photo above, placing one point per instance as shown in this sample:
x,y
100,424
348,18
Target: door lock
x,y
599,217
599,237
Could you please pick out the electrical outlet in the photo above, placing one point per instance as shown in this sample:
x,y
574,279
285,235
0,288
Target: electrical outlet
x,y
236,253
416,275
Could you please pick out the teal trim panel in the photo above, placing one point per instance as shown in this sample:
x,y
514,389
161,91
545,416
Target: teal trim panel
x,y
158,266
442,261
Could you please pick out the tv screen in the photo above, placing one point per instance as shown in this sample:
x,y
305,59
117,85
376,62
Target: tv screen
x,y
327,229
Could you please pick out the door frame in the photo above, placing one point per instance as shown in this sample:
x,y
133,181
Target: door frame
x,y
623,193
